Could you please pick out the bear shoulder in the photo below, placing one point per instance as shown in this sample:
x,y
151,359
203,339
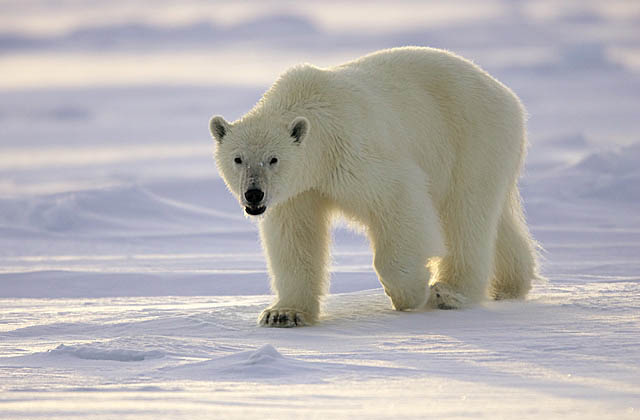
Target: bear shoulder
x,y
303,87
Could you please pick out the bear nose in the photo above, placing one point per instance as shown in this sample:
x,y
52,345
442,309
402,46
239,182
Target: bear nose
x,y
254,196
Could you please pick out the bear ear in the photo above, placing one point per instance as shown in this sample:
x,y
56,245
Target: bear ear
x,y
218,127
298,129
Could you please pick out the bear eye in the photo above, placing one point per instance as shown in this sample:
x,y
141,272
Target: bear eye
x,y
273,161
237,160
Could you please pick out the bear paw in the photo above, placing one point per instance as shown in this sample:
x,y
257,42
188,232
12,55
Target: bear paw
x,y
444,297
283,318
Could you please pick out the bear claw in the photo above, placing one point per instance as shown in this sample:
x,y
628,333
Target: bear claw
x,y
283,318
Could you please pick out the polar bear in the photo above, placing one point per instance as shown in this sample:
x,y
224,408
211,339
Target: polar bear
x,y
419,146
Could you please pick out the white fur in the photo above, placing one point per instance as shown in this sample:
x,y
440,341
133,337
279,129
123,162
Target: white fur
x,y
420,146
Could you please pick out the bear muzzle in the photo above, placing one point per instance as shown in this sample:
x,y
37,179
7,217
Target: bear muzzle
x,y
254,197
255,211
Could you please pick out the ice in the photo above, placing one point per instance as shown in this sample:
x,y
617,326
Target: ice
x,y
131,280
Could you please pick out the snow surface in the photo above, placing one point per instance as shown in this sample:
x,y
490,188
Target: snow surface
x,y
130,281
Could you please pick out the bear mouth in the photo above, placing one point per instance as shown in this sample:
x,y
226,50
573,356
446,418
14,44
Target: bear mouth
x,y
255,211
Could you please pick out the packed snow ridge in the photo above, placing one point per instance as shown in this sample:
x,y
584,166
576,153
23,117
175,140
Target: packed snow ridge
x,y
90,352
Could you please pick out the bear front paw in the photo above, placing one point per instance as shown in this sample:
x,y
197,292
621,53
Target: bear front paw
x,y
283,318
442,296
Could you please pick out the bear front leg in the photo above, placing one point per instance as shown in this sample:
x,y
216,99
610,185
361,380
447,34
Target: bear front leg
x,y
404,236
296,239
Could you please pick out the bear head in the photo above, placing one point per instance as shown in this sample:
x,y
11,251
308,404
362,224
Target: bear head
x,y
260,159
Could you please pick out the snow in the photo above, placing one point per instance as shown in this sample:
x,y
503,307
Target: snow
x,y
89,352
130,281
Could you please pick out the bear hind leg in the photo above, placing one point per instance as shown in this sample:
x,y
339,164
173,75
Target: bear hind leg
x,y
515,263
461,278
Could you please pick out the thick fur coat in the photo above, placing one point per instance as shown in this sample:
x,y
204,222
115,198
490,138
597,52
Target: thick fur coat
x,y
419,146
